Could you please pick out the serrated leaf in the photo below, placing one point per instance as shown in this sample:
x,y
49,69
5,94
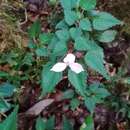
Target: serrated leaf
x,y
45,38
90,104
6,90
63,34
41,52
66,124
75,32
40,124
95,60
62,25
81,43
104,20
60,48
69,4
70,17
35,29
78,80
74,103
87,4
107,36
10,123
49,78
68,94
85,24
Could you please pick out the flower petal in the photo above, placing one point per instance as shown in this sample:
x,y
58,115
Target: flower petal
x,y
70,58
76,67
59,67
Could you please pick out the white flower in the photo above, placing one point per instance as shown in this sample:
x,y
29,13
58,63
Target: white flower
x,y
69,60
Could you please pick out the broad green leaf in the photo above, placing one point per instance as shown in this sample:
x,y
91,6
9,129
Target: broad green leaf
x,y
75,32
4,105
95,60
69,4
6,90
85,24
90,104
99,90
78,80
88,124
41,52
66,4
107,36
81,43
88,4
84,43
74,103
60,48
45,38
62,25
103,21
50,123
66,124
49,78
68,94
63,34
10,123
70,17
35,29
40,124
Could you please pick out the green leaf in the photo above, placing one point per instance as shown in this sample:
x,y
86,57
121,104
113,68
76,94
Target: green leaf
x,y
63,34
35,29
78,80
75,32
41,52
10,123
60,48
49,78
95,60
69,4
107,36
74,103
99,90
45,38
40,124
81,43
62,25
88,124
4,105
88,4
66,124
85,24
28,59
70,17
103,21
90,104
6,90
68,94
50,123
3,74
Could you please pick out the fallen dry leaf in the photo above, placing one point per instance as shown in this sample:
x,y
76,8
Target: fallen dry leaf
x,y
39,107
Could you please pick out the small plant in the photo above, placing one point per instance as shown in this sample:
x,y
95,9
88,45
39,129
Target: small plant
x,y
77,44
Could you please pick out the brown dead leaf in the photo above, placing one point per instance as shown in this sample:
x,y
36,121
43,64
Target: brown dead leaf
x,y
39,107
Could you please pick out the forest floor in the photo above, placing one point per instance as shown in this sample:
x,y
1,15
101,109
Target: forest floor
x,y
15,19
